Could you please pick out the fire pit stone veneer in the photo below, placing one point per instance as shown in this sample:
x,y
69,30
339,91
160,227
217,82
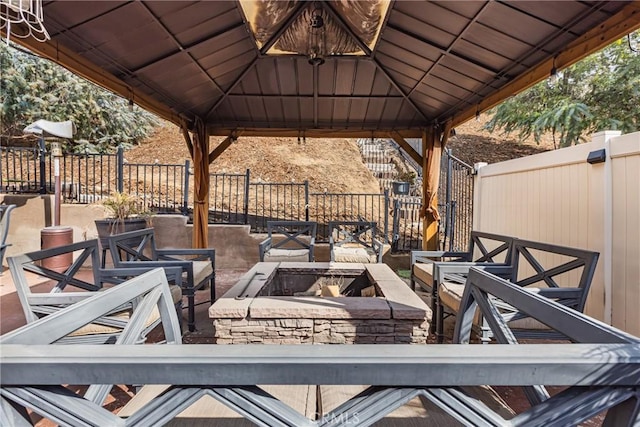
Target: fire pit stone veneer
x,y
275,303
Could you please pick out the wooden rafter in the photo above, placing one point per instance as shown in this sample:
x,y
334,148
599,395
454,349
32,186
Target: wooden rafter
x,y
220,148
406,147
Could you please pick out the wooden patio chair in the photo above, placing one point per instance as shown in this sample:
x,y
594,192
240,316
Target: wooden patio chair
x,y
5,212
138,249
55,294
296,244
148,296
354,241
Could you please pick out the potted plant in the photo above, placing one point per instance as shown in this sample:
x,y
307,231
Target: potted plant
x,y
403,183
124,214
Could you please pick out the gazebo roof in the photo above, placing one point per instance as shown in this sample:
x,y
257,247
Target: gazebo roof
x,y
389,68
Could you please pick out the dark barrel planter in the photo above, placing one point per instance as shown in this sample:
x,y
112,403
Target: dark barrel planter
x,y
400,187
109,226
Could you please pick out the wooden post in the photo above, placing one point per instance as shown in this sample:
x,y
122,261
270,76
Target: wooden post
x,y
201,185
431,153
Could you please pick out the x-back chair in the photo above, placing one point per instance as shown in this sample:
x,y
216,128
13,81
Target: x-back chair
x,y
354,241
484,292
559,273
484,249
148,295
76,284
297,243
138,249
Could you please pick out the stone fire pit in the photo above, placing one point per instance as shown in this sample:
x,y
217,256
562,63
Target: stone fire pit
x,y
277,303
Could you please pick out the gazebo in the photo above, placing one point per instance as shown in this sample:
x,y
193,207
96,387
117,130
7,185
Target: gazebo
x,y
324,68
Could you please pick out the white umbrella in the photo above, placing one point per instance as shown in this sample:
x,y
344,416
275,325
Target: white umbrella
x,y
61,130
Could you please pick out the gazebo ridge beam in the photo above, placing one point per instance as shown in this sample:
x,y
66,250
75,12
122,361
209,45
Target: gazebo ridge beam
x,y
314,133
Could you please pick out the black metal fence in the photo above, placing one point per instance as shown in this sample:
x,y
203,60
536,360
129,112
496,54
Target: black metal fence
x,y
456,202
234,199
88,178
407,224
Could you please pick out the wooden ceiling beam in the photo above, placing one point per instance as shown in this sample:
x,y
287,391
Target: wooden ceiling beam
x,y
406,147
220,148
75,63
314,133
617,26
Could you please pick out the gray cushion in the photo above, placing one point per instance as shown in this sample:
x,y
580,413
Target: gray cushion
x,y
354,254
286,255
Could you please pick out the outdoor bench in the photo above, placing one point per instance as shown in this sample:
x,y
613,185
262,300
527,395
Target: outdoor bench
x,y
37,302
557,272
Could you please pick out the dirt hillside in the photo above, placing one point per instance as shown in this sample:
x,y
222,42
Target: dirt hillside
x,y
473,144
331,165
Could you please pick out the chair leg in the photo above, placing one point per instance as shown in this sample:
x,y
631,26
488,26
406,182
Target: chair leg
x,y
434,309
191,309
104,257
178,306
440,323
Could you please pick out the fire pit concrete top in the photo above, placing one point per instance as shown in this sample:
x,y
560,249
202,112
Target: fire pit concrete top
x,y
251,297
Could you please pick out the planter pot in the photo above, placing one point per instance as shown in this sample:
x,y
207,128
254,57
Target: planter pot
x,y
401,188
107,227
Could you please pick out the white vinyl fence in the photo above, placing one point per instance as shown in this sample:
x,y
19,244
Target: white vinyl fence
x,y
560,198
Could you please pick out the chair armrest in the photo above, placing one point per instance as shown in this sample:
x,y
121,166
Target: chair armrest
x,y
185,266
198,254
117,276
62,298
441,268
428,256
569,297
264,247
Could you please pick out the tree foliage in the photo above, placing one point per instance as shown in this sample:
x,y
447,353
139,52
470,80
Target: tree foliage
x,y
33,88
601,92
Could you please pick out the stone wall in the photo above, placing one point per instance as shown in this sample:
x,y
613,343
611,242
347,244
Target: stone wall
x,y
320,331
